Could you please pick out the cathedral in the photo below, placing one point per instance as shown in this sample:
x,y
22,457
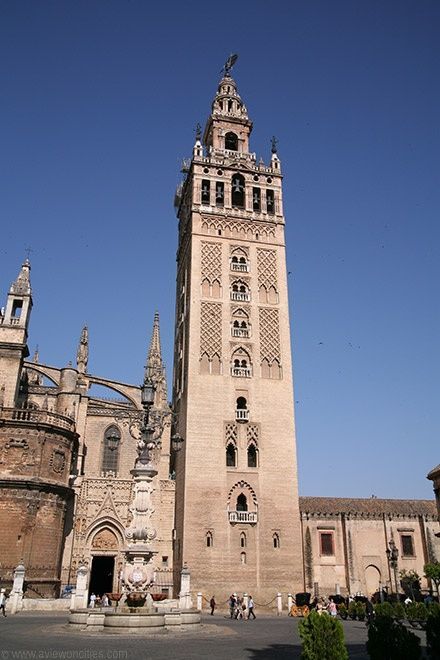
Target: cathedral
x,y
226,505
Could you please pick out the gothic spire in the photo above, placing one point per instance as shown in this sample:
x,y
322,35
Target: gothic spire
x,y
155,368
22,285
82,354
154,358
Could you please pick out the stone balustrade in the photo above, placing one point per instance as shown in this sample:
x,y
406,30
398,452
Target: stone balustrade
x,y
243,517
240,296
241,372
36,416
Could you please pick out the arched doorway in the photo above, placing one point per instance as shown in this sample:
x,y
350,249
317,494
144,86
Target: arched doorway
x,y
372,579
104,550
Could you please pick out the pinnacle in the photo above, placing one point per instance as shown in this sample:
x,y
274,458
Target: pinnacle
x,y
22,285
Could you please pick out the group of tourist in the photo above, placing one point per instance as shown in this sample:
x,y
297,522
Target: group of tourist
x,y
239,609
98,601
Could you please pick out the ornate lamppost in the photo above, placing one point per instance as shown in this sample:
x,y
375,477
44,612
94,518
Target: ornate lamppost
x,y
392,556
138,572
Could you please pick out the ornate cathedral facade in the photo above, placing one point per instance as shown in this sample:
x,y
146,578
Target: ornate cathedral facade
x,y
227,504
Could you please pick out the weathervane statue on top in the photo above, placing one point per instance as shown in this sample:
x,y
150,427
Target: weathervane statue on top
x,y
229,64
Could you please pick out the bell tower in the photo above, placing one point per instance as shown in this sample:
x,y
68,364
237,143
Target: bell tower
x,y
14,322
237,515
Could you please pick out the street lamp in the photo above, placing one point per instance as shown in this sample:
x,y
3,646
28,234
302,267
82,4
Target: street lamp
x,y
393,555
176,442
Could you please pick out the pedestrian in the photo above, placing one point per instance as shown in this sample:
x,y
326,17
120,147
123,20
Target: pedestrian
x,y
104,599
92,600
331,607
212,605
2,601
251,606
232,605
238,609
369,611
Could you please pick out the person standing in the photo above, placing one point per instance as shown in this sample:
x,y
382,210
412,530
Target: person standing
x,y
92,600
331,607
232,605
212,605
251,606
2,601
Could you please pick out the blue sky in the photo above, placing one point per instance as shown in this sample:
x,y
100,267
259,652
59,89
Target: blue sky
x,y
99,104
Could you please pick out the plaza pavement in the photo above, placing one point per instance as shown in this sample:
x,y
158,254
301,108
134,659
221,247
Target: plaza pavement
x,y
37,635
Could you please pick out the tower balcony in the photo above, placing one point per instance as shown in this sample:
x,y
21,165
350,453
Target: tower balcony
x,y
241,372
240,296
250,517
242,415
242,333
241,268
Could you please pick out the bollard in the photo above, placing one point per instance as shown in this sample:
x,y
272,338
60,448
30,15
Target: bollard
x,y
16,598
289,601
199,600
246,600
279,604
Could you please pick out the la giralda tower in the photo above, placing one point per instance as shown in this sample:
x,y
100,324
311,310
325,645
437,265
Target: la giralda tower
x,y
237,515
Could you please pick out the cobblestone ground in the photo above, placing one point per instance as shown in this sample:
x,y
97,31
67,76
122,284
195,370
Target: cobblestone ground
x,y
218,638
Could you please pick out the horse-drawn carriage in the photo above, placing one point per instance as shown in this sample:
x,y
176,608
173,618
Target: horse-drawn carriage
x,y
300,605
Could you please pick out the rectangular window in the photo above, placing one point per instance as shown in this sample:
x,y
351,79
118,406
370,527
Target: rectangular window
x,y
17,306
270,201
205,191
326,544
219,193
256,199
165,561
407,543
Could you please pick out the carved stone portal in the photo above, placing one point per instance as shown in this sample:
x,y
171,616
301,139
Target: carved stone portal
x,y
105,540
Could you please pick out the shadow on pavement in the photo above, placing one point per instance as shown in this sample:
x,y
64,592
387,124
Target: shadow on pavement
x,y
292,651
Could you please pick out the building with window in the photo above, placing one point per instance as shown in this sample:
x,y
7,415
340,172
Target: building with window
x,y
67,445
345,541
237,516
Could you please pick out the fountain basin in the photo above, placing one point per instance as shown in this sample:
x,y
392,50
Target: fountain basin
x,y
120,621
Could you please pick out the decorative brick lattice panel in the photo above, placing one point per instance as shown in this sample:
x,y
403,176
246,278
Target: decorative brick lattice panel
x,y
267,268
211,329
231,433
253,432
269,335
238,229
211,262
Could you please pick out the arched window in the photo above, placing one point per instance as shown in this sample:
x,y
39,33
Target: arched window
x,y
231,455
209,540
241,365
252,456
241,403
239,261
276,540
231,141
243,557
242,540
241,409
238,191
205,194
110,455
242,503
270,202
